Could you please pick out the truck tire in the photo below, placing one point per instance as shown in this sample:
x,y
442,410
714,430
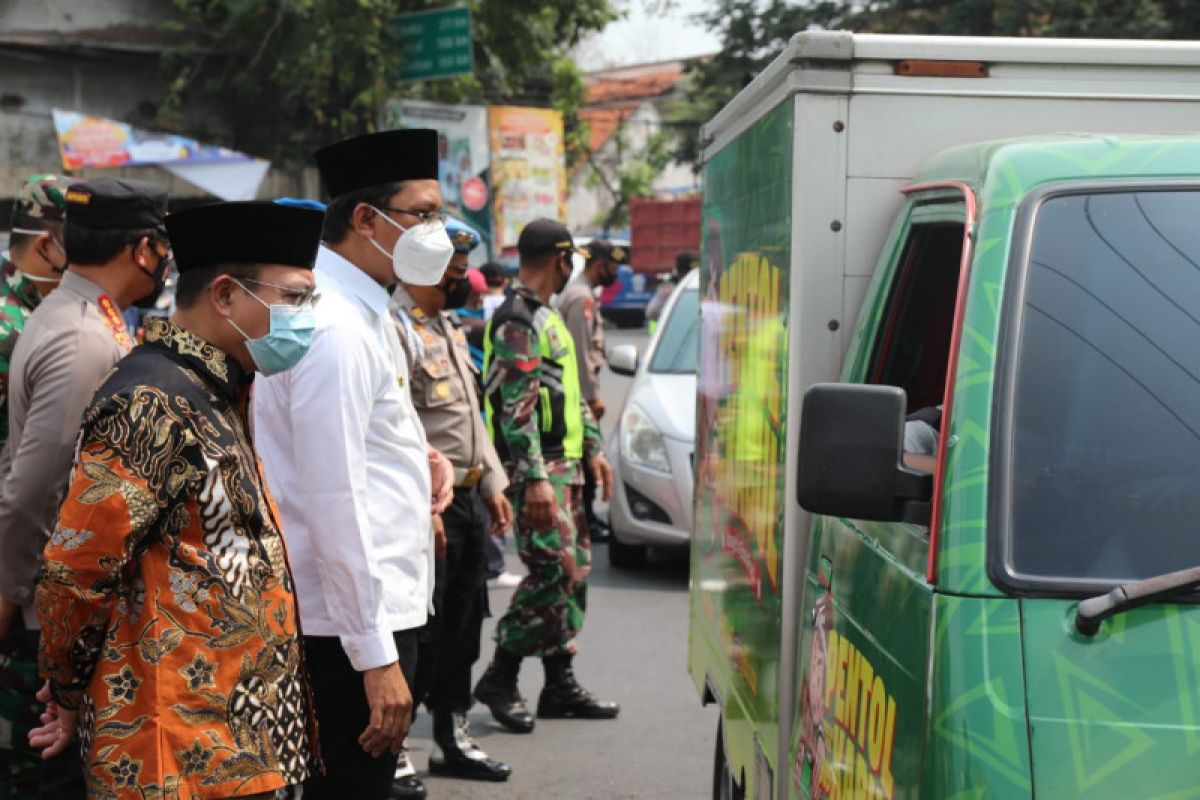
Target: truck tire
x,y
724,785
624,556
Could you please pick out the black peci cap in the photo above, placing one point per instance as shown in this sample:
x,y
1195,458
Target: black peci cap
x,y
116,203
251,232
602,248
542,236
379,158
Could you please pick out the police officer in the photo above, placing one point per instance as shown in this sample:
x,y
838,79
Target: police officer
x,y
118,251
543,430
577,305
444,390
32,267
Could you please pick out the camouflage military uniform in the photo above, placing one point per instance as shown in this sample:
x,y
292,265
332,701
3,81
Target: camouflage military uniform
x,y
41,197
530,356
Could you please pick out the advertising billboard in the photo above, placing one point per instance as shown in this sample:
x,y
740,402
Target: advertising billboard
x,y
464,160
529,175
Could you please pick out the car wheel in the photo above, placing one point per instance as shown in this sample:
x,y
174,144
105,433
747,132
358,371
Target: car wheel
x,y
624,556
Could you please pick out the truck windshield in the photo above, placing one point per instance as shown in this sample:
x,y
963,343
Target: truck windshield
x,y
679,346
1105,417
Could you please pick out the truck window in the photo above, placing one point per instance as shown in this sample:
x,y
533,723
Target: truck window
x,y
913,343
1101,407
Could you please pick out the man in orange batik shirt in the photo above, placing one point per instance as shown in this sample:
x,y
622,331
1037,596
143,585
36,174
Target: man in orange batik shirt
x,y
169,619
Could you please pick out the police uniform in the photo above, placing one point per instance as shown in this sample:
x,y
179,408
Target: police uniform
x,y
578,308
444,388
40,200
68,345
543,430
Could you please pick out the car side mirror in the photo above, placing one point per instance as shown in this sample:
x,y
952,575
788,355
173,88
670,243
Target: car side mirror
x,y
851,448
623,359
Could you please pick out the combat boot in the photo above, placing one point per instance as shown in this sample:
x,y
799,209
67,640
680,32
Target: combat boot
x,y
497,690
456,754
563,697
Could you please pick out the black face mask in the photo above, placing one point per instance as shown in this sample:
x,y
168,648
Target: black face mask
x,y
457,290
564,277
159,276
609,278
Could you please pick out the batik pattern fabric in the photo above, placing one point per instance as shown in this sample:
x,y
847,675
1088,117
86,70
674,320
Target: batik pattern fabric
x,y
18,298
166,601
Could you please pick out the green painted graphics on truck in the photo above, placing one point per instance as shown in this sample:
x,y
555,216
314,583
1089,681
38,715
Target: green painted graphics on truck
x,y
1072,446
741,440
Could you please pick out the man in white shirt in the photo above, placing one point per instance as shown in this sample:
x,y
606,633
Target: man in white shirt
x,y
347,459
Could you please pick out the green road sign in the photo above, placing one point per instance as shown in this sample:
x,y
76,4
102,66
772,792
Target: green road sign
x,y
436,43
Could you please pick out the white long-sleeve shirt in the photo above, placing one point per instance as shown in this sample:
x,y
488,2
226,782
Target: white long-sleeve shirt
x,y
346,459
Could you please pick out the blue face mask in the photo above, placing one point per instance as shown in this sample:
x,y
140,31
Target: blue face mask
x,y
286,342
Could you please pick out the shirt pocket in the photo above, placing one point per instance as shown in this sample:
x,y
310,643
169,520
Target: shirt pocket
x,y
440,384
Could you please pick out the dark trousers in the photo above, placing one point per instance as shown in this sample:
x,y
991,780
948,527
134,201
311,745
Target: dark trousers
x,y
589,497
61,777
342,716
460,604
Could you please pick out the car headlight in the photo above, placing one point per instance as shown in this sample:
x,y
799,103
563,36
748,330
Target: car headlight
x,y
641,441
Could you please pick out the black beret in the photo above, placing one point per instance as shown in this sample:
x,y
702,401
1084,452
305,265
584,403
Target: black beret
x,y
251,232
378,158
116,203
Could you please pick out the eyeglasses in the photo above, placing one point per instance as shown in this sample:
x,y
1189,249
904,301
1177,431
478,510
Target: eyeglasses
x,y
424,216
294,297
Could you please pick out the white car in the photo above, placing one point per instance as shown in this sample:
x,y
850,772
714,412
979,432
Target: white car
x,y
651,449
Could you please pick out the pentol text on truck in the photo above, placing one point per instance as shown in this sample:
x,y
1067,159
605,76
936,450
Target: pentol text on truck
x,y
1003,236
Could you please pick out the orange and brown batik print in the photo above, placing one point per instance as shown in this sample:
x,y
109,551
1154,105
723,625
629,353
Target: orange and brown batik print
x,y
166,599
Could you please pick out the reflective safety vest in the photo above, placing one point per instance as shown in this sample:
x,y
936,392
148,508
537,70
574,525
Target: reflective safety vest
x,y
559,413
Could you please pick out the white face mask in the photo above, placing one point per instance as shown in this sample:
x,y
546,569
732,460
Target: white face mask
x,y
421,255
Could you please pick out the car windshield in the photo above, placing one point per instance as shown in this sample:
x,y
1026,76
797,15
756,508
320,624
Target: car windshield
x,y
1105,425
678,348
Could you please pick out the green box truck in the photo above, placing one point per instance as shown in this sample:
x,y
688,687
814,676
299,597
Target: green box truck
x,y
994,597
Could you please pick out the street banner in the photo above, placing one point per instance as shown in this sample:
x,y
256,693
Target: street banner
x,y
463,160
529,175
85,141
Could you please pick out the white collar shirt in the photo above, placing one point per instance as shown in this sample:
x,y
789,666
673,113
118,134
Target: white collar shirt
x,y
346,459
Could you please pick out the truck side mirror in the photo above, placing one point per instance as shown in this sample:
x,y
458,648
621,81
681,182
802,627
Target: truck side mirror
x,y
623,359
851,438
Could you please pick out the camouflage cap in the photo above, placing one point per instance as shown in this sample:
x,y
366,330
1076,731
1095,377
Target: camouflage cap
x,y
41,197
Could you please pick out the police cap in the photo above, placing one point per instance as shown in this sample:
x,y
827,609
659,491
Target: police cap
x,y
116,203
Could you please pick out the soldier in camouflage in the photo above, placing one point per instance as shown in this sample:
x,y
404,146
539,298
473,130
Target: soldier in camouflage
x,y
543,431
33,266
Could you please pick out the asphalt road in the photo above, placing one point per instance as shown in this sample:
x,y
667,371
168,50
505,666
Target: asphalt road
x,y
633,649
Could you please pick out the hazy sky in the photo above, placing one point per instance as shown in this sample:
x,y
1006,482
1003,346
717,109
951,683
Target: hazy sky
x,y
644,36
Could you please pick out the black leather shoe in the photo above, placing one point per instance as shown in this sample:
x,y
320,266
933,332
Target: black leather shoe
x,y
598,530
407,788
458,765
564,698
497,690
457,755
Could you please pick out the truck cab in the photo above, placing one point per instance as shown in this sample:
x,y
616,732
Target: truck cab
x,y
946,422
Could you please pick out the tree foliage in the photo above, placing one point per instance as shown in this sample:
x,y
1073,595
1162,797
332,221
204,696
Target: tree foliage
x,y
626,176
276,78
753,32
